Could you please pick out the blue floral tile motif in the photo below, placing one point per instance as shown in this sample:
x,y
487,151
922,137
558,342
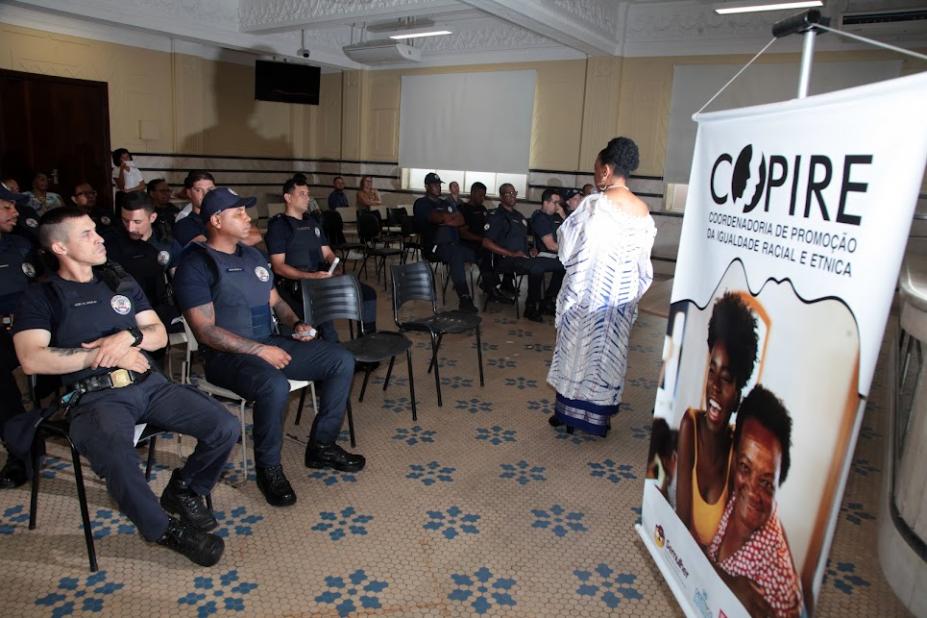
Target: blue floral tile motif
x,y
430,473
452,522
495,435
505,320
106,522
520,332
521,383
400,404
641,432
156,467
558,520
341,524
473,406
457,382
539,347
394,380
11,517
52,465
73,596
210,594
482,590
855,512
637,512
502,363
862,467
346,593
843,577
332,477
522,472
414,435
447,362
231,471
608,586
487,347
544,406
576,438
237,521
611,471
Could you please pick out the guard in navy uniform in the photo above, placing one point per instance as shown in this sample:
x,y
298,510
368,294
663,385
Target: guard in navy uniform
x,y
545,221
476,215
299,250
507,238
137,245
226,292
17,271
85,198
91,324
438,220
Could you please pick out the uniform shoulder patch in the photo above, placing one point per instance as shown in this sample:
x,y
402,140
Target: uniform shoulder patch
x,y
121,304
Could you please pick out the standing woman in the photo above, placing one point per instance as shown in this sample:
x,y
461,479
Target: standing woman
x,y
126,176
367,197
605,248
40,198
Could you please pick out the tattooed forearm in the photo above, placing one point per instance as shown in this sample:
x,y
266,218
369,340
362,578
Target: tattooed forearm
x,y
202,321
285,314
70,351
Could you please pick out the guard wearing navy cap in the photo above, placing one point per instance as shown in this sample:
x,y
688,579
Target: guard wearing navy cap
x,y
438,220
91,324
571,199
17,271
226,292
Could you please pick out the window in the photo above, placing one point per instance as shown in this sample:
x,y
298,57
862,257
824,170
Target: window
x,y
413,179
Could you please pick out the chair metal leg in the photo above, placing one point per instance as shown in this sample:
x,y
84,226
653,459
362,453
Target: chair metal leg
x,y
36,475
315,406
389,371
411,384
435,343
479,354
434,353
351,422
84,512
447,278
299,410
209,501
151,457
244,445
364,385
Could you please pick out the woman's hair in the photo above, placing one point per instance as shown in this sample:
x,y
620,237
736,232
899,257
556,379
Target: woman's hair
x,y
117,156
363,179
733,324
767,409
622,154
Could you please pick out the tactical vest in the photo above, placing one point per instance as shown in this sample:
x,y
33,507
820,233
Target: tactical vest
x,y
514,229
304,249
141,259
241,293
16,271
83,312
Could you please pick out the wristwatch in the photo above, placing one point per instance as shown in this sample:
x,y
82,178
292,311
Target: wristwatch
x,y
135,332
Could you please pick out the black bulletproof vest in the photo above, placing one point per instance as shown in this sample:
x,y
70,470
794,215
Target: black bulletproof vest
x,y
82,312
142,260
242,291
17,270
304,249
554,225
27,225
514,229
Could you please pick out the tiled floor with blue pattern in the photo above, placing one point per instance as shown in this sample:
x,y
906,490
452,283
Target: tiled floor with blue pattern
x,y
476,508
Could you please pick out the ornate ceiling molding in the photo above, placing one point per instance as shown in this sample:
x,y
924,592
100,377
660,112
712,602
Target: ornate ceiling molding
x,y
267,15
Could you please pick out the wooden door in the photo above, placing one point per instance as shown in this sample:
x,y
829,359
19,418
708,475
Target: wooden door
x,y
55,125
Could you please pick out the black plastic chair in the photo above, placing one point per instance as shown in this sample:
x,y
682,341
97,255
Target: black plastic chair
x,y
410,243
333,226
340,298
368,228
415,282
61,428
518,279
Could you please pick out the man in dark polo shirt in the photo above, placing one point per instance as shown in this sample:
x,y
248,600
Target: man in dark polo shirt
x,y
299,249
92,325
226,293
544,223
337,198
437,220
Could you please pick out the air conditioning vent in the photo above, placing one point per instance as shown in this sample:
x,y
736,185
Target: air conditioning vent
x,y
384,51
900,23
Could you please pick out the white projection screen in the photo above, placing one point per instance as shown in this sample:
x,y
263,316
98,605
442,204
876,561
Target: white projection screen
x,y
467,121
694,84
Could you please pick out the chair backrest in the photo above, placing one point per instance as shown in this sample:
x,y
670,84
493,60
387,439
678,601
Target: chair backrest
x,y
394,215
368,226
408,225
335,298
412,281
333,226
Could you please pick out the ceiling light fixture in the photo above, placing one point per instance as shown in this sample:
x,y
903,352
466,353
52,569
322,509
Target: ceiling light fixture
x,y
418,35
777,6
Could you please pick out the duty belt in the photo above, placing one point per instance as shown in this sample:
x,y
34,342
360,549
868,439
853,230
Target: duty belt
x,y
120,378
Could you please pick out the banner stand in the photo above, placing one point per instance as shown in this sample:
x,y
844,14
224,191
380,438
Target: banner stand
x,y
668,577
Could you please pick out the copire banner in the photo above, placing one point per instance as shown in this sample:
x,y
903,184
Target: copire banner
x,y
795,226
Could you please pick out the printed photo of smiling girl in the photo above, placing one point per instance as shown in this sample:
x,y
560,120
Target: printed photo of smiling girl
x,y
705,441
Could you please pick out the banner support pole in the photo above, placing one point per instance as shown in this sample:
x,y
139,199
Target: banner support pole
x,y
807,55
806,24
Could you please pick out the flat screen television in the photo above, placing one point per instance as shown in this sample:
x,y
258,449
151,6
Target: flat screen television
x,y
286,82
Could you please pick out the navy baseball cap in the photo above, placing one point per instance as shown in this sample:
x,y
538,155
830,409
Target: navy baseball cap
x,y
569,194
223,198
8,196
432,178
